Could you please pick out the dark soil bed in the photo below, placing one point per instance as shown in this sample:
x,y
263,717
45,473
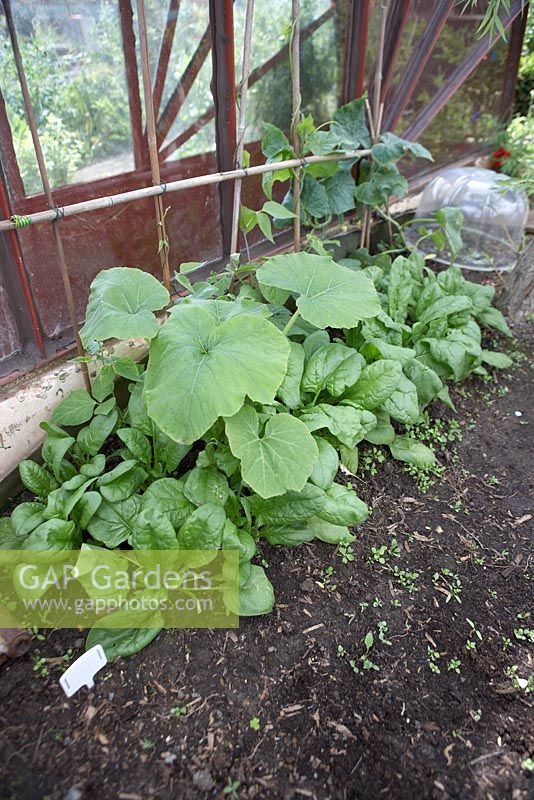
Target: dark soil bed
x,y
175,721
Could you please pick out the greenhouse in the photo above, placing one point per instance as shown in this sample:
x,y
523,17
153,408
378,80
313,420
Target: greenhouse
x,y
266,306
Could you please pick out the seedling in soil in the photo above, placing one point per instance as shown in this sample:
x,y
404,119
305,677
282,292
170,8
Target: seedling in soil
x,y
395,603
178,711
326,581
523,615
491,480
341,652
40,667
232,789
406,579
371,459
424,476
363,606
433,658
383,631
448,582
345,551
380,555
254,724
475,633
377,603
456,506
524,635
506,643
364,662
454,665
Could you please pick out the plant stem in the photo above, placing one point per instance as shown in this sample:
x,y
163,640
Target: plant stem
x,y
291,322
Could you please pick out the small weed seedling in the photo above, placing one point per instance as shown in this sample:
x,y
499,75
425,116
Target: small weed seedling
x,y
40,667
406,579
475,634
433,658
380,555
254,724
345,551
231,789
178,711
364,662
449,583
327,580
524,635
454,665
371,459
383,632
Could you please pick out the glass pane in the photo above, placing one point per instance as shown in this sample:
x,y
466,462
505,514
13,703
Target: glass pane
x,y
191,27
470,118
9,337
74,63
270,94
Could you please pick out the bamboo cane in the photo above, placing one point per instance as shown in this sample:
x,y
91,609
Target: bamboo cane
x,y
295,85
163,247
242,124
375,115
55,212
109,201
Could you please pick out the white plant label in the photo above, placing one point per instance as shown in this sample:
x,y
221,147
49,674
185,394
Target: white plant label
x,y
83,670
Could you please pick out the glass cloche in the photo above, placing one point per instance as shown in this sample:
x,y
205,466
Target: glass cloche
x,y
494,217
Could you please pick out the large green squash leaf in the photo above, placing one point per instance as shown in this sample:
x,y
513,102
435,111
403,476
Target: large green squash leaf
x,y
276,460
121,305
329,295
199,370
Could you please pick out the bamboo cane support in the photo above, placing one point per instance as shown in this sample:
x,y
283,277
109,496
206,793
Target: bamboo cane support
x,y
375,115
55,213
109,201
163,247
242,124
295,84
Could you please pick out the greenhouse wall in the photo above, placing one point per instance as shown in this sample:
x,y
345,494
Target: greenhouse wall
x,y
82,64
